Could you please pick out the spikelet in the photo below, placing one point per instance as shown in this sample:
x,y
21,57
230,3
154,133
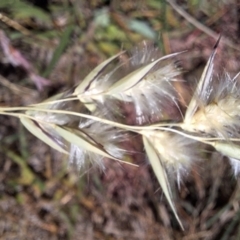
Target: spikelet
x,y
177,153
164,160
86,141
144,79
92,87
89,143
107,138
200,95
218,113
214,108
150,84
214,111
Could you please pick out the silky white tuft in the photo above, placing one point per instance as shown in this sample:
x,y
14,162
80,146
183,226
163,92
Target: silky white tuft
x,y
108,138
81,158
235,163
218,113
153,92
142,77
177,153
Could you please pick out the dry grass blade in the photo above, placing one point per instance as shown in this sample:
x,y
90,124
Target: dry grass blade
x,y
160,174
14,24
200,26
17,89
36,130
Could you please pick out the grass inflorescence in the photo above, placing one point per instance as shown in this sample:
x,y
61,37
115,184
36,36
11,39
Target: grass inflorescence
x,y
89,122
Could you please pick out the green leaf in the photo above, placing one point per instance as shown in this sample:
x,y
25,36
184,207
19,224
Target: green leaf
x,y
101,17
114,33
31,12
142,28
24,10
160,173
27,176
39,133
6,3
65,40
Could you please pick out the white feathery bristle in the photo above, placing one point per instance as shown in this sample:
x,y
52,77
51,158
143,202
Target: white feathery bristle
x,y
154,94
82,158
219,111
106,136
144,54
150,95
235,163
98,83
176,152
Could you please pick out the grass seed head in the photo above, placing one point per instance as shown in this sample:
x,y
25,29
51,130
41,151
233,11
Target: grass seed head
x,y
150,91
218,112
88,141
107,137
142,77
154,94
176,152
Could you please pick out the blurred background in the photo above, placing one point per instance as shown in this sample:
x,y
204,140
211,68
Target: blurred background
x,y
48,46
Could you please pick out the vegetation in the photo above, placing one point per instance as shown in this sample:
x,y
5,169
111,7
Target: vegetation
x,y
54,45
